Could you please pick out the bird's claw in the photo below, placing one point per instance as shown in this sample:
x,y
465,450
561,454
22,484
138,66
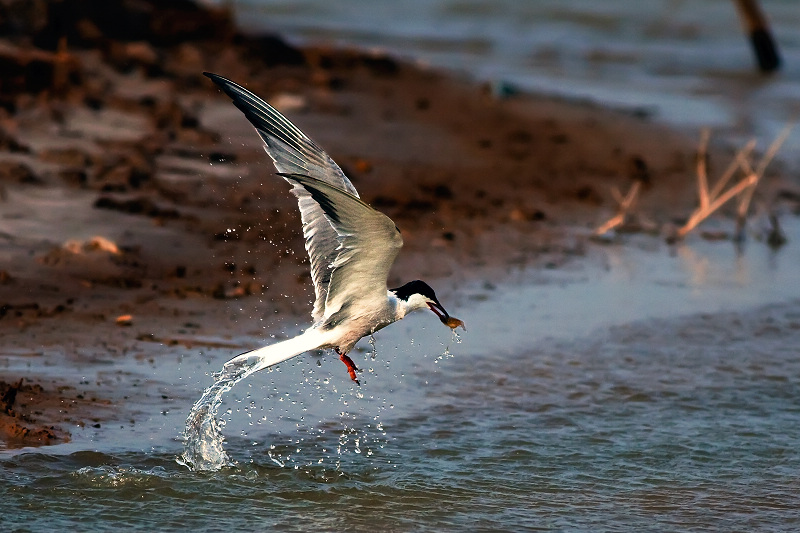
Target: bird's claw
x,y
351,367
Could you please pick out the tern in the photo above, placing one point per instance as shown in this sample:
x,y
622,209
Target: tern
x,y
350,245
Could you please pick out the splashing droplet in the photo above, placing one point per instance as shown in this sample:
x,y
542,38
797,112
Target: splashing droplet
x,y
203,440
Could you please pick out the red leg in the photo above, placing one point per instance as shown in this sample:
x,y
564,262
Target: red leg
x,y
351,366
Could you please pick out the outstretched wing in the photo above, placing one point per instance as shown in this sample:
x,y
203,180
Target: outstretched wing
x,y
368,244
294,153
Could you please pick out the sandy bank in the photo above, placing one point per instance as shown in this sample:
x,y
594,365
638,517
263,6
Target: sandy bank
x,y
139,210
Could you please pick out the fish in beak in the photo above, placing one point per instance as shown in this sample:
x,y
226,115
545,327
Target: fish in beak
x,y
449,321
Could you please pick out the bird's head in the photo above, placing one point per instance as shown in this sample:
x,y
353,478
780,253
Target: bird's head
x,y
419,295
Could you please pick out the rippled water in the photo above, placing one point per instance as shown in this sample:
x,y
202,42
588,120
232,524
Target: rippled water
x,y
632,415
658,391
686,62
625,431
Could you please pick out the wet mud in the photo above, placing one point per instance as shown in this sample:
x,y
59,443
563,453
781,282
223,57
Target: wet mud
x,y
140,212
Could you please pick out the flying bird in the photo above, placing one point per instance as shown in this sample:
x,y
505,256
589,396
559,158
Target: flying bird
x,y
351,246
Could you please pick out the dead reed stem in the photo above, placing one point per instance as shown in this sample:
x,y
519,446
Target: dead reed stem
x,y
625,205
711,200
747,195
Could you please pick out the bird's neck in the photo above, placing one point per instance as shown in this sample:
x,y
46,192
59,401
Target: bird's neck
x,y
403,307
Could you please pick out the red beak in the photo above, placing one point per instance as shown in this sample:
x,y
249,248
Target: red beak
x,y
445,318
439,310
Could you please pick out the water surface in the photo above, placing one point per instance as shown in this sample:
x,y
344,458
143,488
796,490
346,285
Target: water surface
x,y
687,63
658,391
651,388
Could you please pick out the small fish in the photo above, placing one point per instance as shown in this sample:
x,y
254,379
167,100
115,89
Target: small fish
x,y
452,322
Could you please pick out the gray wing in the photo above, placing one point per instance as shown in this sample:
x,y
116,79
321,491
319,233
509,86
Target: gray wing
x,y
368,244
294,153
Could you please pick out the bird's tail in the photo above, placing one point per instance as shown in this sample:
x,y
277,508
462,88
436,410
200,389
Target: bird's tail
x,y
203,447
248,363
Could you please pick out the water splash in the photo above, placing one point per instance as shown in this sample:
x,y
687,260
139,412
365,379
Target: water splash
x,y
203,440
202,437
447,354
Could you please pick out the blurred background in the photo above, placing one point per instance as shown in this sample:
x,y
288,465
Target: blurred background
x,y
686,62
622,383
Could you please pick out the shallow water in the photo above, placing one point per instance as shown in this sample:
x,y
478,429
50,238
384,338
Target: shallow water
x,y
684,62
660,390
653,388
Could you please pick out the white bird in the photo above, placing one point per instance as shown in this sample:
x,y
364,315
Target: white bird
x,y
351,246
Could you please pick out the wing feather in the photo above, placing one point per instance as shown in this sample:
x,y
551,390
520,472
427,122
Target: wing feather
x,y
368,244
294,153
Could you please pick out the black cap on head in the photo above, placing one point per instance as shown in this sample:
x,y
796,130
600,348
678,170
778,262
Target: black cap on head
x,y
415,287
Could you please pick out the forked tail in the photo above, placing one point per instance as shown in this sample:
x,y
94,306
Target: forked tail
x,y
251,362
203,440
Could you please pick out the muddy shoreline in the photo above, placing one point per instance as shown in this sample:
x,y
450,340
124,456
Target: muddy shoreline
x,y
139,209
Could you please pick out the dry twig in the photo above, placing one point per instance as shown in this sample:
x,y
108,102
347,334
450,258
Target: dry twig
x,y
625,204
758,173
711,200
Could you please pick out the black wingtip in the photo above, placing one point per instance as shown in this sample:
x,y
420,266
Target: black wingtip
x,y
231,89
307,182
221,81
291,175
216,78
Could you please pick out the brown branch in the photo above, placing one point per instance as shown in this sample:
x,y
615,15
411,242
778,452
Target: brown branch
x,y
625,205
701,214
